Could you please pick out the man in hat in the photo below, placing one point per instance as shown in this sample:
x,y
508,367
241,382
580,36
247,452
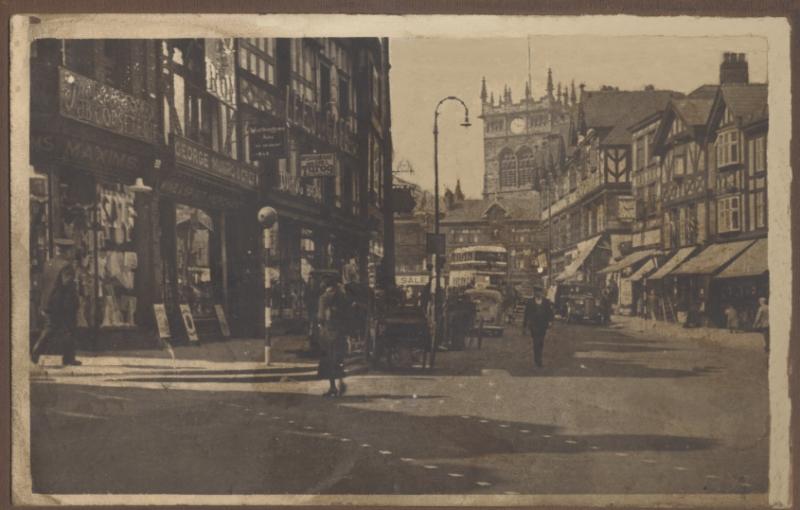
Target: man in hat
x,y
59,303
538,317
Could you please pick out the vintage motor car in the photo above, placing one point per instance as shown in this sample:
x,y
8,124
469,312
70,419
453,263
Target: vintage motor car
x,y
578,302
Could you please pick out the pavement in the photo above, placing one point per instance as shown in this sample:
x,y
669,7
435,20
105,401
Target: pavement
x,y
614,411
720,336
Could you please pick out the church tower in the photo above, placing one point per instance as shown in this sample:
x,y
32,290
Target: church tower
x,y
519,137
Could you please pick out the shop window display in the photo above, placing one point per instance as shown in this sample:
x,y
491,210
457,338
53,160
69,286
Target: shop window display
x,y
194,229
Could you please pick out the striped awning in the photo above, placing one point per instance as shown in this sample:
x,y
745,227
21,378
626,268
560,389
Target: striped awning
x,y
582,253
672,263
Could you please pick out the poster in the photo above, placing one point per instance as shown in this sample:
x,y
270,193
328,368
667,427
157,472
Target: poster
x,y
161,320
188,323
223,322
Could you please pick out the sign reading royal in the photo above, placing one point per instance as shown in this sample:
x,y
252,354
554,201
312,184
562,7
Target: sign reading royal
x,y
220,69
99,105
317,165
194,155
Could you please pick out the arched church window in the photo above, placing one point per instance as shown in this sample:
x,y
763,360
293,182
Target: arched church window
x,y
526,167
508,169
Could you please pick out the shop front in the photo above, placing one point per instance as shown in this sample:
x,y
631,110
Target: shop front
x,y
87,155
209,243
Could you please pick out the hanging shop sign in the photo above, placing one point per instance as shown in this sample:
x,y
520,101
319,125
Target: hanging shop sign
x,y
267,142
317,165
84,153
198,157
221,70
91,102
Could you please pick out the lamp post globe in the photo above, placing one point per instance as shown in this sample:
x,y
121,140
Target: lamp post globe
x,y
267,216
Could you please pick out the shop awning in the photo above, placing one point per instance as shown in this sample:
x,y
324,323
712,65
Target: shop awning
x,y
643,271
712,258
628,260
581,254
752,262
672,263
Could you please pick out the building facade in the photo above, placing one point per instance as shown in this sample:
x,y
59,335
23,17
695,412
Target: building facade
x,y
210,130
520,139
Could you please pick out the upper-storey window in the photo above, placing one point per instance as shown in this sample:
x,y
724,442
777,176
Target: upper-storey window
x,y
508,169
305,60
728,148
526,167
257,57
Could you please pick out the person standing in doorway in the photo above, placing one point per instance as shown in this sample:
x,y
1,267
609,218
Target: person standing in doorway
x,y
537,319
59,304
761,322
333,315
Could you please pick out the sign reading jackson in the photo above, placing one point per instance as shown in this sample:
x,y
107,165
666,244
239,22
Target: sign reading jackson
x,y
317,165
94,103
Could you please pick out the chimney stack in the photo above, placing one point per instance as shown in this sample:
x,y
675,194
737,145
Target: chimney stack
x,y
733,68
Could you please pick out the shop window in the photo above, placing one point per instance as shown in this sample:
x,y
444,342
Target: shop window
x,y
194,229
728,214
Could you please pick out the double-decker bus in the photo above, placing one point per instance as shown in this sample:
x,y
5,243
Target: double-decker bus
x,y
480,266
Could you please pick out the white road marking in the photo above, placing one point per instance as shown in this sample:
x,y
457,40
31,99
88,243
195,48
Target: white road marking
x,y
366,445
570,441
78,415
621,454
455,475
406,459
548,436
649,461
594,447
511,493
525,431
483,484
484,421
384,452
503,426
430,466
713,477
345,440
680,468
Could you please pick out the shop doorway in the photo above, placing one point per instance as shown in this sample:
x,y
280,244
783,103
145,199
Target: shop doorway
x,y
195,272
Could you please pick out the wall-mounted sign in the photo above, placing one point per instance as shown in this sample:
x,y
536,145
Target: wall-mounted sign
x,y
223,322
194,155
411,279
189,192
220,69
161,320
85,100
84,153
188,323
267,142
317,165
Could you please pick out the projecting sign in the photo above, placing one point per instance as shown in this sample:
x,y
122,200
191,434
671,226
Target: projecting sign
x,y
267,142
317,165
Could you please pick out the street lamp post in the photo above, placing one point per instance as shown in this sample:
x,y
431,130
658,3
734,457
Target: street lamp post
x,y
267,217
437,300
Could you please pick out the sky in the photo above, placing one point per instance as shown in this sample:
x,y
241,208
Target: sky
x,y
424,70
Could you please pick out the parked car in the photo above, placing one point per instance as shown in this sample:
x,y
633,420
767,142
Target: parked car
x,y
576,302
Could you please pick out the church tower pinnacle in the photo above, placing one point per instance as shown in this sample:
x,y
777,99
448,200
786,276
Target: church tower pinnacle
x,y
484,95
549,82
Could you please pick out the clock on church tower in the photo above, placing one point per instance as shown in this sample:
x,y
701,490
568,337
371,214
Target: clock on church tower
x,y
517,125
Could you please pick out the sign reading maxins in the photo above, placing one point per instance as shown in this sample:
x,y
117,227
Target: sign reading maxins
x,y
94,103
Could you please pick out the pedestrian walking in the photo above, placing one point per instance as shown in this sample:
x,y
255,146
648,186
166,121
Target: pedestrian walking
x,y
761,322
537,319
605,305
333,310
59,304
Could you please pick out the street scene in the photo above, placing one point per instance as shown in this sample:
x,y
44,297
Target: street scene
x,y
398,266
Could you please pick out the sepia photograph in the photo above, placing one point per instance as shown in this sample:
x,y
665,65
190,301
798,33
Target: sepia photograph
x,y
375,260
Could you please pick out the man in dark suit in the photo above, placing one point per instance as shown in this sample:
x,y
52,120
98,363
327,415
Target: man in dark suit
x,y
59,304
538,317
